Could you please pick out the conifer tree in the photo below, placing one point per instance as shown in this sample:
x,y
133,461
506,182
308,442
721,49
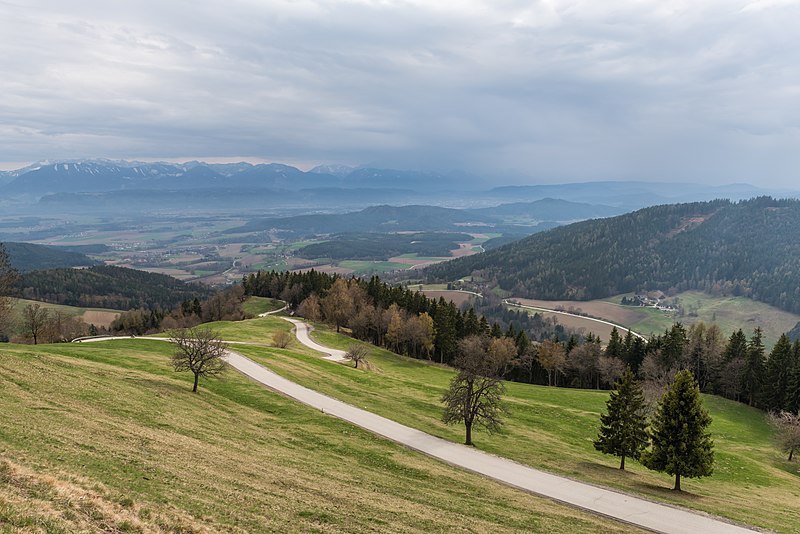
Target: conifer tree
x,y
615,347
753,371
681,444
792,401
777,375
623,430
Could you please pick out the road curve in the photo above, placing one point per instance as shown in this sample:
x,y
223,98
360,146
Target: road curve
x,y
626,508
302,329
510,302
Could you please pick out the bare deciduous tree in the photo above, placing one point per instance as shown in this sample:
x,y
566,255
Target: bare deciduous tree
x,y
553,358
610,369
200,351
475,393
338,305
34,321
787,427
356,353
310,308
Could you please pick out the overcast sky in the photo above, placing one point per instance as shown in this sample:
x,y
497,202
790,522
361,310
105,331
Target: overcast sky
x,y
694,90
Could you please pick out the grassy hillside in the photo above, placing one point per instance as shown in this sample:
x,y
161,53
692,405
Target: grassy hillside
x,y
256,305
553,429
105,437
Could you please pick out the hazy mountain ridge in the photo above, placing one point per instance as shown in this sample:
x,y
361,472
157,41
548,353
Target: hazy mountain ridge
x,y
92,176
747,248
550,209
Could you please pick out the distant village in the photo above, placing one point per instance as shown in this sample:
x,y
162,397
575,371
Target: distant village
x,y
657,302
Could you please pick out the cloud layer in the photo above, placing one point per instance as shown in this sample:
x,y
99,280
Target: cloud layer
x,y
514,90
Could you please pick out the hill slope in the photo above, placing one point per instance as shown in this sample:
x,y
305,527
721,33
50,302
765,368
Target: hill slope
x,y
373,219
105,286
750,248
107,438
553,428
29,257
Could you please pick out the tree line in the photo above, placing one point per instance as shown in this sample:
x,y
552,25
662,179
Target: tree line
x,y
222,305
393,317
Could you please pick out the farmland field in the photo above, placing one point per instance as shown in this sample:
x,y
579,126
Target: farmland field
x,y
729,313
96,316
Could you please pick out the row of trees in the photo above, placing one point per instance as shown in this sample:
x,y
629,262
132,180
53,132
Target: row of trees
x,y
399,319
224,305
737,367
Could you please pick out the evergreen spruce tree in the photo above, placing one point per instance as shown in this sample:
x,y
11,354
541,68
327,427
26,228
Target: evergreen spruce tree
x,y
736,347
681,444
615,347
753,372
792,400
776,376
623,430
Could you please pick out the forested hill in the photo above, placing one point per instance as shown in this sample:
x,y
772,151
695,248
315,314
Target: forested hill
x,y
106,286
373,219
27,257
747,248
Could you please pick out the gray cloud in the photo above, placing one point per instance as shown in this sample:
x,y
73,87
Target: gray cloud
x,y
548,90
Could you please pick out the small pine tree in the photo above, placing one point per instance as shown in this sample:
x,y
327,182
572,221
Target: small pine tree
x,y
623,430
681,444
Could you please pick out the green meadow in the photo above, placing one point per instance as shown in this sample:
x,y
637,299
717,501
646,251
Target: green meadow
x,y
105,437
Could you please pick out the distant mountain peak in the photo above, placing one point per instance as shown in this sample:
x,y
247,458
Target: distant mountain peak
x,y
340,171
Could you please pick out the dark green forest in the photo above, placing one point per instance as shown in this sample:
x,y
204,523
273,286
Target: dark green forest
x,y
105,286
749,248
374,219
27,257
371,246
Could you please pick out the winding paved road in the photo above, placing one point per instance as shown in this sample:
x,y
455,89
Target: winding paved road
x,y
626,508
510,302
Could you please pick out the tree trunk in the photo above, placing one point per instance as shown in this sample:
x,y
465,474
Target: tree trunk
x,y
196,380
468,440
677,482
791,453
622,463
